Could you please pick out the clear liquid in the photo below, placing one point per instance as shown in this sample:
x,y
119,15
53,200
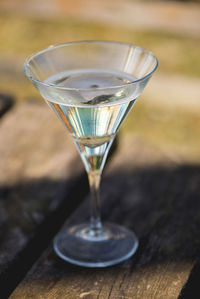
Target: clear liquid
x,y
91,117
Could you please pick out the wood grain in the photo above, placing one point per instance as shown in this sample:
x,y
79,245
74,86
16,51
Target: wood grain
x,y
39,168
146,190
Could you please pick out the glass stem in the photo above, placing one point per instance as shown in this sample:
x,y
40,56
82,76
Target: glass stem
x,y
94,178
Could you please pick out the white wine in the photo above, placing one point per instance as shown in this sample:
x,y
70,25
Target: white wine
x,y
91,115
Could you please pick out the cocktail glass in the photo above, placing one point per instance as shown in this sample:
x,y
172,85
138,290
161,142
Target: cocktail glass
x,y
91,86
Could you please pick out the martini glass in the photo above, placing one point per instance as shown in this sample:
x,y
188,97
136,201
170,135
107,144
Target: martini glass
x,y
92,86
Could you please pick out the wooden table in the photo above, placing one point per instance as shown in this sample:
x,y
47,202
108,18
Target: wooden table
x,y
43,187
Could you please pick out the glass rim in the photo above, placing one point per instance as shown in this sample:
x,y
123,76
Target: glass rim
x,y
53,47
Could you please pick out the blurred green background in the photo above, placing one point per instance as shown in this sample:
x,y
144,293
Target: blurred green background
x,y
168,112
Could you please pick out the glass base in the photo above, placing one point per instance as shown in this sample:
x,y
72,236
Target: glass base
x,y
81,246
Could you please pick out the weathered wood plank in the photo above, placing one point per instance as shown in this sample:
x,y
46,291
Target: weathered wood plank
x,y
147,191
39,167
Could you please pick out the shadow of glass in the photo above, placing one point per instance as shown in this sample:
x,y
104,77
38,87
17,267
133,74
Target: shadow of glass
x,y
161,204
